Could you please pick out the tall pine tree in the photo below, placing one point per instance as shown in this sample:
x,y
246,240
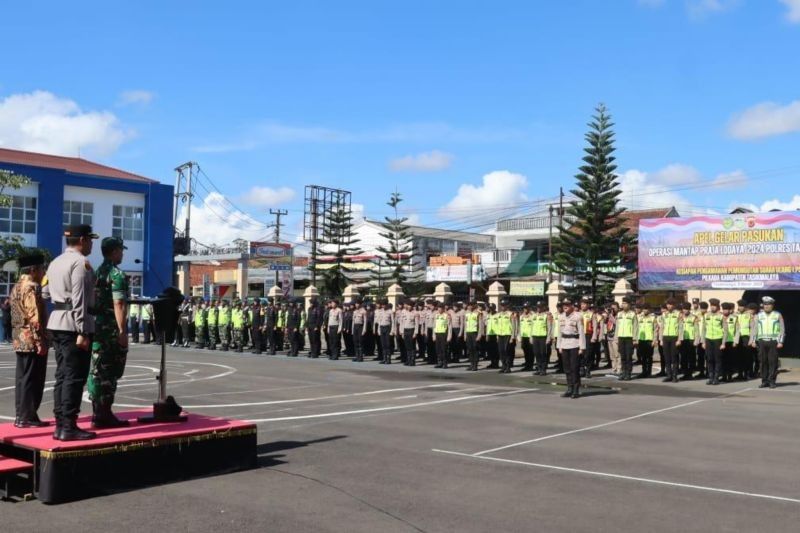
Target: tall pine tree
x,y
591,239
397,257
340,242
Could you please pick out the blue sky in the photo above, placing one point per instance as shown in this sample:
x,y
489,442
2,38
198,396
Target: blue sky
x,y
475,106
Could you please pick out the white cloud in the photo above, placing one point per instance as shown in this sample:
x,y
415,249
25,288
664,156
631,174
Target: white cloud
x,y
432,161
413,219
699,9
730,180
766,119
135,97
651,3
641,191
650,190
267,196
423,132
677,174
498,189
793,13
216,222
43,122
769,205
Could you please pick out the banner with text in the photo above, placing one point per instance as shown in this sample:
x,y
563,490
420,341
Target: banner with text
x,y
743,251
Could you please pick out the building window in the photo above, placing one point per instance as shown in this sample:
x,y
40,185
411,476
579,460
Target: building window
x,y
7,281
20,217
128,223
135,284
77,212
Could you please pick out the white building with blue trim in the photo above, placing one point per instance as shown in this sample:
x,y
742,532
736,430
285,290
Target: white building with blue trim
x,y
70,190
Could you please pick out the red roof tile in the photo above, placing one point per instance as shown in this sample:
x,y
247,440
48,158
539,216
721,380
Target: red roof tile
x,y
75,165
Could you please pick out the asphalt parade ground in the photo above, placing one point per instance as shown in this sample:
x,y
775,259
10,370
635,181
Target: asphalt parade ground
x,y
358,447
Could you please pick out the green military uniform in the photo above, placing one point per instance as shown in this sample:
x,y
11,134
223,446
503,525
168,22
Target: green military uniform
x,y
200,326
223,324
108,357
211,320
237,321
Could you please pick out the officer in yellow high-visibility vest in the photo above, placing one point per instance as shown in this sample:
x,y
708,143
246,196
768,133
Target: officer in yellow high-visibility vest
x,y
730,353
200,332
627,329
473,331
525,334
491,337
689,339
442,333
506,336
647,341
768,333
237,324
746,356
670,339
714,332
541,335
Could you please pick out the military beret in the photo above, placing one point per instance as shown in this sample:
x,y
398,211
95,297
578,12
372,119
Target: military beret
x,y
713,301
704,305
30,260
112,243
753,306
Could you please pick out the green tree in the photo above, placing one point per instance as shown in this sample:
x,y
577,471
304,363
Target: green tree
x,y
397,257
10,246
340,241
590,241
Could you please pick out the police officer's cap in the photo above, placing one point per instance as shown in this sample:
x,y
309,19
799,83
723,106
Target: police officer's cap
x,y
713,301
492,307
670,301
504,303
695,300
80,230
566,301
31,260
686,306
526,305
766,300
728,305
586,299
541,305
628,300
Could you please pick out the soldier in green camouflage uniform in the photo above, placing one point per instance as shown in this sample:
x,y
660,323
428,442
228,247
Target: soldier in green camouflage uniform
x,y
110,343
224,325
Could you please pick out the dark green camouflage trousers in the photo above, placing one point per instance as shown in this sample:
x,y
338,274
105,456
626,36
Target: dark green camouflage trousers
x,y
225,336
108,365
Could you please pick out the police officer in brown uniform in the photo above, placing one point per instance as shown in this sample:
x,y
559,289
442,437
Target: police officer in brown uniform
x,y
71,289
358,328
572,344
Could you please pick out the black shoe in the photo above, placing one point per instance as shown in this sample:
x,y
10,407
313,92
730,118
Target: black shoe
x,y
567,393
709,382
675,379
763,385
30,423
576,393
666,379
71,431
108,420
772,385
715,381
587,376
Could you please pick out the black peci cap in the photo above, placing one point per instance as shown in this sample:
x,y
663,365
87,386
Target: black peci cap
x,y
30,260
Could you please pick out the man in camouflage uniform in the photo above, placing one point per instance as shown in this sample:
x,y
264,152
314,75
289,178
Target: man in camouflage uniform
x,y
237,323
224,325
110,343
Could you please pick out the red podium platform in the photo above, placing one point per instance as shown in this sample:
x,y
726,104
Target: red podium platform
x,y
124,458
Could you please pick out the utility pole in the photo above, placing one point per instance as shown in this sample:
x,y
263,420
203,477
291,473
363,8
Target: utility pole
x,y
278,214
183,194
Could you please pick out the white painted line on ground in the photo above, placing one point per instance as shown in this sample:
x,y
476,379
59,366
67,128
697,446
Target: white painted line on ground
x,y
224,393
627,478
299,400
393,407
605,424
405,397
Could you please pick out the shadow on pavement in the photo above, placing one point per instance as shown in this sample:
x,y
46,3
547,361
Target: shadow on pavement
x,y
266,450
